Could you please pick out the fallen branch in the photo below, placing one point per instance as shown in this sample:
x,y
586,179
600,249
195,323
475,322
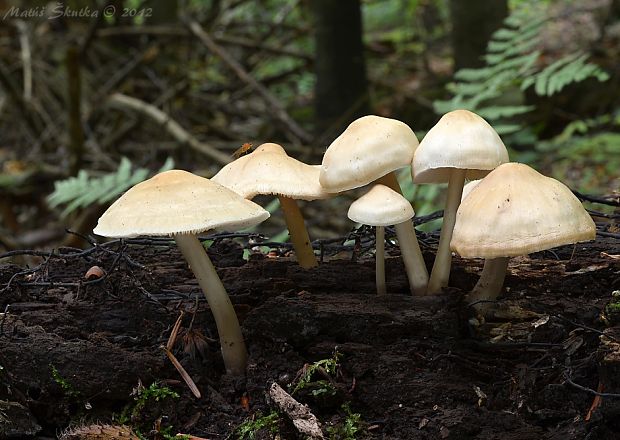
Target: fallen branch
x,y
305,422
119,100
278,110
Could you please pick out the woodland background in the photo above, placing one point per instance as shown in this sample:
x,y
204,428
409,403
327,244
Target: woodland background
x,y
95,96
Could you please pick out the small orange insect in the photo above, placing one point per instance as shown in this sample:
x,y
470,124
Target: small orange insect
x,y
242,150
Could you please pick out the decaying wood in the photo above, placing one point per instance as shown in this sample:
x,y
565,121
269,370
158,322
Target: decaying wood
x,y
305,422
173,127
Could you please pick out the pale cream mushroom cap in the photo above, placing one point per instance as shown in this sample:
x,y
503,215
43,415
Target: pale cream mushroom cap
x,y
514,211
461,139
370,148
177,202
468,187
381,206
269,170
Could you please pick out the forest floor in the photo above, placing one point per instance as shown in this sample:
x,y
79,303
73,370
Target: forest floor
x,y
73,352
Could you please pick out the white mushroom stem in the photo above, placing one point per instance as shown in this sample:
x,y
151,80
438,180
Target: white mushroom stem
x,y
489,286
440,275
391,181
231,338
412,258
409,246
380,260
298,232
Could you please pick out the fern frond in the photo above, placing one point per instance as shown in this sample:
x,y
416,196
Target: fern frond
x,y
511,68
83,190
572,68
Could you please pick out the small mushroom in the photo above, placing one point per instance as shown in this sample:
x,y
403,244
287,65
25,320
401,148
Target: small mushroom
x,y
514,211
180,204
380,207
269,170
461,145
369,151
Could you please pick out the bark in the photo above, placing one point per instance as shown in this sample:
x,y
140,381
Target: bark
x,y
341,91
473,23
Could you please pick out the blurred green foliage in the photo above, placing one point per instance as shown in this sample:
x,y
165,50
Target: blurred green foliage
x,y
496,90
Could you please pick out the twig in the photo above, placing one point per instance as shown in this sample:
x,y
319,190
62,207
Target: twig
x,y
24,43
171,340
173,127
92,29
588,390
11,89
119,74
607,234
278,111
607,200
585,327
305,422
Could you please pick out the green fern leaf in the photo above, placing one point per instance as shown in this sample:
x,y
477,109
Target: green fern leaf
x,y
83,190
495,90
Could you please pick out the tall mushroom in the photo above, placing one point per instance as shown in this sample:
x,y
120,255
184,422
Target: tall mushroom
x,y
369,151
269,170
180,204
461,145
382,206
514,211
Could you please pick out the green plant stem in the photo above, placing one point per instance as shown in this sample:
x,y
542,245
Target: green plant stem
x,y
440,275
231,339
380,260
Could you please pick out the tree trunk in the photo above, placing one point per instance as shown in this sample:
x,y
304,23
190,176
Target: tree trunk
x,y
473,23
341,92
161,11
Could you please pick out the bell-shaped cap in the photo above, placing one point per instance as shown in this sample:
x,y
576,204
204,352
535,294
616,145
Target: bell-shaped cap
x,y
461,139
370,148
381,206
177,202
468,187
516,210
269,170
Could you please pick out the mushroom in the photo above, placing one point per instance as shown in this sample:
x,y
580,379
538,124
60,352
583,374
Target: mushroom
x,y
461,145
382,206
269,170
514,211
180,204
369,151
468,187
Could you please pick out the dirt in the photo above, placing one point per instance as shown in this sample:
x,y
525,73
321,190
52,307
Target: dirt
x,y
72,352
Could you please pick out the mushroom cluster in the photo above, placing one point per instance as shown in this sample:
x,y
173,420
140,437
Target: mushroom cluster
x,y
512,211
368,152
